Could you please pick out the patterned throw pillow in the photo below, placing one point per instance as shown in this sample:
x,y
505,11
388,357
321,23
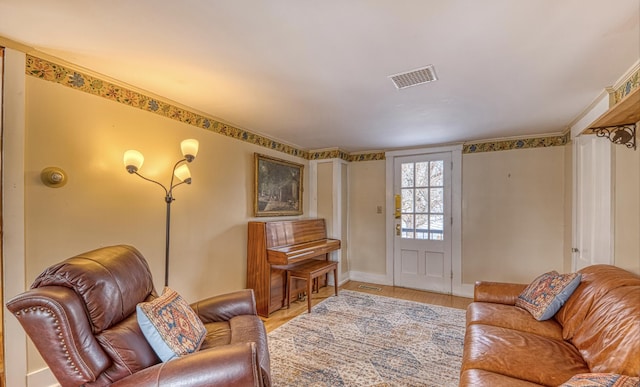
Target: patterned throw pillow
x,y
170,326
602,380
547,293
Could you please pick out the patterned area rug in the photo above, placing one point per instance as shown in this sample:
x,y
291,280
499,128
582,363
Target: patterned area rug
x,y
360,339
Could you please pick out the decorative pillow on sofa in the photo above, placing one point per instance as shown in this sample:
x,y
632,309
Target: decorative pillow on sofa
x,y
170,326
547,293
601,380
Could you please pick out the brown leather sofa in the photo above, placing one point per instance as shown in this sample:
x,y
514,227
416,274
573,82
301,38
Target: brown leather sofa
x,y
597,330
81,316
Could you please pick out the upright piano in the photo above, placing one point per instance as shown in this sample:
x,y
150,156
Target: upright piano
x,y
271,246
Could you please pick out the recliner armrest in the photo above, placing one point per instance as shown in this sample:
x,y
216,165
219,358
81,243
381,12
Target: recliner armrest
x,y
55,319
226,306
229,365
497,292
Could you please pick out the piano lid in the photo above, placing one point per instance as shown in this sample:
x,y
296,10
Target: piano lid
x,y
284,255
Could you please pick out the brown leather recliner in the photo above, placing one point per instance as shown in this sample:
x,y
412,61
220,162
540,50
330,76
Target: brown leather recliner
x,y
81,316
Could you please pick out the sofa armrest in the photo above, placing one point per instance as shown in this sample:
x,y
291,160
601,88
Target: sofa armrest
x,y
497,292
226,306
228,365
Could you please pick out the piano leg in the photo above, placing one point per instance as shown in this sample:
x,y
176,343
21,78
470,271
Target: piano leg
x,y
287,289
309,292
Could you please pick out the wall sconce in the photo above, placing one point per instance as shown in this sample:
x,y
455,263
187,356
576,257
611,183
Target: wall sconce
x,y
133,161
53,177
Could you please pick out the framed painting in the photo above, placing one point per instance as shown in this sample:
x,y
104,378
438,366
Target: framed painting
x,y
277,187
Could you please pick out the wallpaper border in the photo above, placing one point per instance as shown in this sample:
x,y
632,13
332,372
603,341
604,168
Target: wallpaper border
x,y
523,143
632,83
53,72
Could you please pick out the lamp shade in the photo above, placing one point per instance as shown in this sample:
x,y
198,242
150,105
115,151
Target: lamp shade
x,y
133,160
189,149
183,173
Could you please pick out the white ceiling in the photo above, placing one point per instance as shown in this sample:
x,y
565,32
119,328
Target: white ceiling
x,y
314,74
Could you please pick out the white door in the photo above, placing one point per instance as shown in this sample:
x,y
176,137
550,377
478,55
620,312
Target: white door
x,y
422,232
592,210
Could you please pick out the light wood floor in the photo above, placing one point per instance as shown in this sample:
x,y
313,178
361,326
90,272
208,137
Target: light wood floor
x,y
281,316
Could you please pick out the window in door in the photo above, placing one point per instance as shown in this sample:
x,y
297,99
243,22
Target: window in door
x,y
422,192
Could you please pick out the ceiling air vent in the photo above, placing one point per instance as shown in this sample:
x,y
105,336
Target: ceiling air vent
x,y
414,77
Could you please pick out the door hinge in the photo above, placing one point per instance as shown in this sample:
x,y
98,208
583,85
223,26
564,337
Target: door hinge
x,y
452,275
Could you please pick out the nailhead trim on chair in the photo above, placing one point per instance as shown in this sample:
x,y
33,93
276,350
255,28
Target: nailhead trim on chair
x,y
56,323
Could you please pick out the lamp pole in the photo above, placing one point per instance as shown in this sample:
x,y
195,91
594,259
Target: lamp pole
x,y
133,161
167,199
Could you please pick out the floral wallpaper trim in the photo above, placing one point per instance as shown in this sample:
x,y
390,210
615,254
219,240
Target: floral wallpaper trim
x,y
328,154
632,83
350,157
49,71
524,143
53,72
366,156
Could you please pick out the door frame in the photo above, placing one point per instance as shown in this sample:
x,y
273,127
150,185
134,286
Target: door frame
x,y
13,212
598,244
602,164
458,288
420,280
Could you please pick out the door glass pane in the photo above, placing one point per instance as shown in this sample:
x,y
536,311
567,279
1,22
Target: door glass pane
x,y
436,200
422,195
436,223
422,174
407,200
407,226
422,226
421,200
407,175
436,173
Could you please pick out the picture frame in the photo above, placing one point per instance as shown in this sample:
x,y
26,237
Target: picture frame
x,y
277,187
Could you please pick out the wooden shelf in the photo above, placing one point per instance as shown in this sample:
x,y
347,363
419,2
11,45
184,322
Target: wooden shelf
x,y
625,112
618,124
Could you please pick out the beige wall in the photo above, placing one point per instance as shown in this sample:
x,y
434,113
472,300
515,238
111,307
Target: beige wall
x,y
332,205
627,208
325,194
102,204
344,218
367,253
513,217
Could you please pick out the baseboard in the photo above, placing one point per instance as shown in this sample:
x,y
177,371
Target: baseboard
x,y
344,279
463,290
380,279
42,378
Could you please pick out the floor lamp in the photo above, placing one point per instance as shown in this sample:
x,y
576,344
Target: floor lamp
x,y
133,161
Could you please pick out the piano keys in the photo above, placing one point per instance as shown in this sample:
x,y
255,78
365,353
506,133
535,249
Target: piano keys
x,y
273,245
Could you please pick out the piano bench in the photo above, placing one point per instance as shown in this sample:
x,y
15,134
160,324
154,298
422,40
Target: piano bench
x,y
309,270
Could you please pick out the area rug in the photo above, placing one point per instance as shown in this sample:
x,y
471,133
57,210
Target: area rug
x,y
360,339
